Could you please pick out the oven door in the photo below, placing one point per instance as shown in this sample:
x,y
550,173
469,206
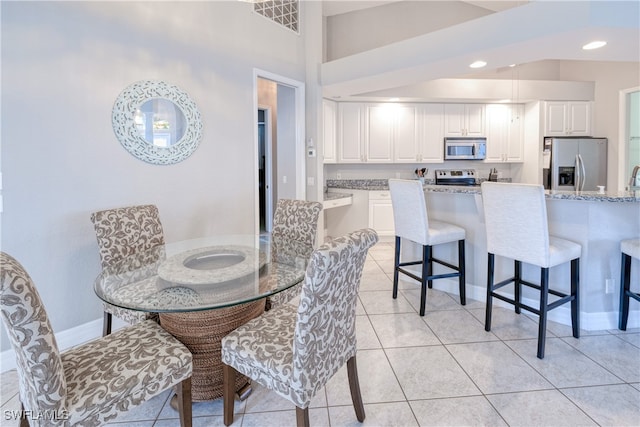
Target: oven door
x,y
459,150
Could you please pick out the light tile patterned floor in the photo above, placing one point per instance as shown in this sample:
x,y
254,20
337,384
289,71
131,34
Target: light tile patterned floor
x,y
443,369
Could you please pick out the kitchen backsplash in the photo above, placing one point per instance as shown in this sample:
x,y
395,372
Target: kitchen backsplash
x,y
406,171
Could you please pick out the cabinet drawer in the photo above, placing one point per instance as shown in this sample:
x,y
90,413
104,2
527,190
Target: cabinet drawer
x,y
379,195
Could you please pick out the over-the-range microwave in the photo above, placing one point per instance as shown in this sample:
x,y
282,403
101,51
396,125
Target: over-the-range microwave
x,y
459,148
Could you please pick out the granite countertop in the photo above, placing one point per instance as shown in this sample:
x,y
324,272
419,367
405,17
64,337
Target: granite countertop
x,y
383,184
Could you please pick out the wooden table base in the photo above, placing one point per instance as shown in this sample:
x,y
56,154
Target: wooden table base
x,y
201,332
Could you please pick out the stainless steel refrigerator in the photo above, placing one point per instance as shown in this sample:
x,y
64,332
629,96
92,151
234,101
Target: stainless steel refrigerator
x,y
574,163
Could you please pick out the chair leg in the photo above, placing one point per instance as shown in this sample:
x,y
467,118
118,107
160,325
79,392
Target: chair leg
x,y
575,302
625,288
183,390
487,318
426,268
106,324
228,392
542,323
24,422
462,278
517,285
396,264
429,261
302,417
354,385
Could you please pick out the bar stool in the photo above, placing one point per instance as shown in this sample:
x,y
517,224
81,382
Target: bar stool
x,y
516,225
412,223
630,249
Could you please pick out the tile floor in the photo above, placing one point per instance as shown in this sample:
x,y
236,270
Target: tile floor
x,y
443,370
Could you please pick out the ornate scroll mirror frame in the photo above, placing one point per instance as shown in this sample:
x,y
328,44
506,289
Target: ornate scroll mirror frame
x,y
129,125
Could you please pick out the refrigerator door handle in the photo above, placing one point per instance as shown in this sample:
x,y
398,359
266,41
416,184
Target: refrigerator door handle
x,y
577,172
583,174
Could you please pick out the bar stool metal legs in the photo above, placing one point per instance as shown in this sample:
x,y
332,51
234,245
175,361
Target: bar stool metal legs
x,y
427,277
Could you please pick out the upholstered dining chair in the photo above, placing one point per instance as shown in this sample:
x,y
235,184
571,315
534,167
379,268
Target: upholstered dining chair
x,y
295,225
294,351
90,384
122,232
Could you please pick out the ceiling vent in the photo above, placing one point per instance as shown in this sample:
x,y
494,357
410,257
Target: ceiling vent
x,y
283,12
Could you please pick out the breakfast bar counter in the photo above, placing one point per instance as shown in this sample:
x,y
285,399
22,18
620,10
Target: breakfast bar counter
x,y
597,221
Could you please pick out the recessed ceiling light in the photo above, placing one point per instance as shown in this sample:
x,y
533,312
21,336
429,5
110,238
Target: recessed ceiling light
x,y
594,45
512,65
478,64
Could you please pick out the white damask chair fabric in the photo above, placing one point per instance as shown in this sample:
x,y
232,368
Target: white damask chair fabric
x,y
296,350
90,384
122,232
295,225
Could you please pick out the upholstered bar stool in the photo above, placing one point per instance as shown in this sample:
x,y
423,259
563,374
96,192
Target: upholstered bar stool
x,y
412,223
630,249
516,224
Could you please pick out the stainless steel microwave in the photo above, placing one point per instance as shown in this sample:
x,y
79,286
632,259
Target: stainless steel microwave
x,y
465,148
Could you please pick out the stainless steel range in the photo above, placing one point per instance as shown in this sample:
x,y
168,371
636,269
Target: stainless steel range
x,y
465,177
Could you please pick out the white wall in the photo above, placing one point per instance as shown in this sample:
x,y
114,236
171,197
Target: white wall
x,y
63,65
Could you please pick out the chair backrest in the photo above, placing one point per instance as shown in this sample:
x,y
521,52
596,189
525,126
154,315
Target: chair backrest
x,y
515,216
126,231
409,210
295,225
40,372
325,334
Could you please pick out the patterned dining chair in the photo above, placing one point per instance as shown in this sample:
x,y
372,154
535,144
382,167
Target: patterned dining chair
x,y
295,225
93,383
123,232
295,351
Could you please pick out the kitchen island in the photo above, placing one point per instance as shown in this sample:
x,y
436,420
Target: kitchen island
x,y
596,221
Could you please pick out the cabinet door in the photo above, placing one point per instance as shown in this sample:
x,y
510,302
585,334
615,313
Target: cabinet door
x,y
432,146
381,217
474,118
514,147
379,136
454,120
498,116
329,117
407,137
555,119
579,118
350,133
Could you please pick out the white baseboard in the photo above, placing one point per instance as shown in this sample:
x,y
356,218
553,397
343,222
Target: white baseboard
x,y
66,339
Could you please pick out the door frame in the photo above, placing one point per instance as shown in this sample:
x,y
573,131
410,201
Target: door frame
x,y
299,88
623,136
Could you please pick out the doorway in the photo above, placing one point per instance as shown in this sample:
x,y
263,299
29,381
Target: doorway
x,y
280,154
264,169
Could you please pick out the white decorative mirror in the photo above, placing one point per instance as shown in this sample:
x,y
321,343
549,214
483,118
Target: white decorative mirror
x,y
157,122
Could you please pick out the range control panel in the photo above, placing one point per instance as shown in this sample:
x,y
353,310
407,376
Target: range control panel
x,y
455,176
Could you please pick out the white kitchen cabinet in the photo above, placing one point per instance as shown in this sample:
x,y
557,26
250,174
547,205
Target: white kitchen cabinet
x,y
419,133
570,118
381,213
464,119
330,131
350,144
505,133
380,124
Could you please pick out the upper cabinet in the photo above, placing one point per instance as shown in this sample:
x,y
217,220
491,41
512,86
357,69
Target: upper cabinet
x,y
464,119
431,148
505,133
329,125
350,143
571,118
381,123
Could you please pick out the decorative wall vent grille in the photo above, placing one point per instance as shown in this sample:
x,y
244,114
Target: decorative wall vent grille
x,y
283,12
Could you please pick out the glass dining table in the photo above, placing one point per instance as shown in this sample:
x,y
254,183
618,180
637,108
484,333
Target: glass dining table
x,y
202,289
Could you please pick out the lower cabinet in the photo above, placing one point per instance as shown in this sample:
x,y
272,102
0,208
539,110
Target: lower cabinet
x,y
381,213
